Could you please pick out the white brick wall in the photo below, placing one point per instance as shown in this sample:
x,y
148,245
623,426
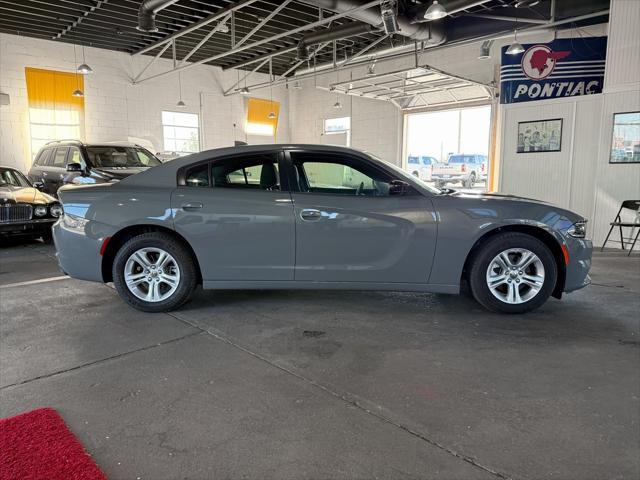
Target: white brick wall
x,y
115,109
376,126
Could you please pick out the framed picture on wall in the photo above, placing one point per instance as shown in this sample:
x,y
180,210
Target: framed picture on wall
x,y
625,144
540,136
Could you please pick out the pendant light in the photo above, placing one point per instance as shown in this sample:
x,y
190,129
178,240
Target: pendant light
x,y
180,103
516,47
435,11
84,69
77,92
272,114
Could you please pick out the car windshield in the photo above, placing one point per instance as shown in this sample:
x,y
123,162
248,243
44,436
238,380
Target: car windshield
x,y
123,157
404,175
13,177
461,159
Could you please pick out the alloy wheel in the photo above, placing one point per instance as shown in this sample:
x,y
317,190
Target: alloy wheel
x,y
515,276
151,274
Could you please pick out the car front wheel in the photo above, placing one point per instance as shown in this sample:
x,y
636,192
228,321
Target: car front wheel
x,y
154,272
513,273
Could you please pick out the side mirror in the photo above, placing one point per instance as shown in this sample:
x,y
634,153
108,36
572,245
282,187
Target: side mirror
x,y
398,187
74,167
38,185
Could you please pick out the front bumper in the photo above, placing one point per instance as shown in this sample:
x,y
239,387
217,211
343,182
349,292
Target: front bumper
x,y
577,272
78,251
30,227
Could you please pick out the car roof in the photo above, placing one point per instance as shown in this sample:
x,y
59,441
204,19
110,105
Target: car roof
x,y
89,144
165,174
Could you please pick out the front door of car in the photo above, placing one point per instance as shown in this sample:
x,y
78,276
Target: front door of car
x,y
352,225
237,215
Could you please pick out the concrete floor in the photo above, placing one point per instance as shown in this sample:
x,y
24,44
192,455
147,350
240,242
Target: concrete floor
x,y
319,385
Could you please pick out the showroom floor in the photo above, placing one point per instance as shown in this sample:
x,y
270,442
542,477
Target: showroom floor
x,y
284,384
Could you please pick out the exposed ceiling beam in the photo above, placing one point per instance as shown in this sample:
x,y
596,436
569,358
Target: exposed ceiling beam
x,y
241,48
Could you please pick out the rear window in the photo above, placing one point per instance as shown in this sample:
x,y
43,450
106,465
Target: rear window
x,y
413,159
462,159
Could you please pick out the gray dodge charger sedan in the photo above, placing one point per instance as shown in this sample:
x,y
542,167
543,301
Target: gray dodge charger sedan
x,y
319,217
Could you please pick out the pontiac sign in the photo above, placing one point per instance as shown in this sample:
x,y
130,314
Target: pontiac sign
x,y
562,68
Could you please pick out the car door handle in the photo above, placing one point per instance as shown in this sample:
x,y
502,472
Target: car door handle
x,y
310,214
192,206
44,174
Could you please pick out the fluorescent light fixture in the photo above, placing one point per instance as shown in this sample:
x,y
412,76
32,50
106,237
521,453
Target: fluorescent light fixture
x,y
435,11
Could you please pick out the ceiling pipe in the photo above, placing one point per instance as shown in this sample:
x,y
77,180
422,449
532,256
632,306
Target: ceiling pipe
x,y
431,33
147,14
346,30
404,50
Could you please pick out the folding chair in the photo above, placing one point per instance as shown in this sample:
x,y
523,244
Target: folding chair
x,y
634,206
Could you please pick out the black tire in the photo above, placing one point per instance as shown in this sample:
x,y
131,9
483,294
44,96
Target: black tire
x,y
481,260
183,258
470,181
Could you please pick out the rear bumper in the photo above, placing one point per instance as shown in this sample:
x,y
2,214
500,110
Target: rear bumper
x,y
78,251
577,273
449,178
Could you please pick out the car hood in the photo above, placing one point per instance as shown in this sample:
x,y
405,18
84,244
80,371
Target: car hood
x,y
501,196
10,194
117,173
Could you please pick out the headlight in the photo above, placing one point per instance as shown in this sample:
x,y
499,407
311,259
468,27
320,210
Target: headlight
x,y
578,229
56,210
40,211
74,222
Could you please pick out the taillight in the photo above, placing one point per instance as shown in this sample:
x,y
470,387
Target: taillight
x,y
482,167
463,168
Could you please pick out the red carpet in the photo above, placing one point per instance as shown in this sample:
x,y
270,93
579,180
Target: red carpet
x,y
37,445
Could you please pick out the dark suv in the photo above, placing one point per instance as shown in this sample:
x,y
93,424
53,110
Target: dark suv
x,y
71,161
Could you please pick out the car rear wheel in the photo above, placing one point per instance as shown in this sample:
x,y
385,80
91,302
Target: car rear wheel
x,y
513,273
154,272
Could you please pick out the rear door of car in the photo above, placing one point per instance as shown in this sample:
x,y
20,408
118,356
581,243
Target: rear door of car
x,y
236,213
36,171
54,171
351,228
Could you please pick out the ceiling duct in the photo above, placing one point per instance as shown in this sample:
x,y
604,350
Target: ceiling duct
x,y
147,14
431,33
346,30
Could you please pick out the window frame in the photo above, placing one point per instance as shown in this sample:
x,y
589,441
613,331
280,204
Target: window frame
x,y
283,170
357,160
180,126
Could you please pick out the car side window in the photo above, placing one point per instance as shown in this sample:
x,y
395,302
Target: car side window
x,y
258,172
59,157
338,175
198,176
74,156
42,157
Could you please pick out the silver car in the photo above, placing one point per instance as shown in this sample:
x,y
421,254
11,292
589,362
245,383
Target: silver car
x,y
313,217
